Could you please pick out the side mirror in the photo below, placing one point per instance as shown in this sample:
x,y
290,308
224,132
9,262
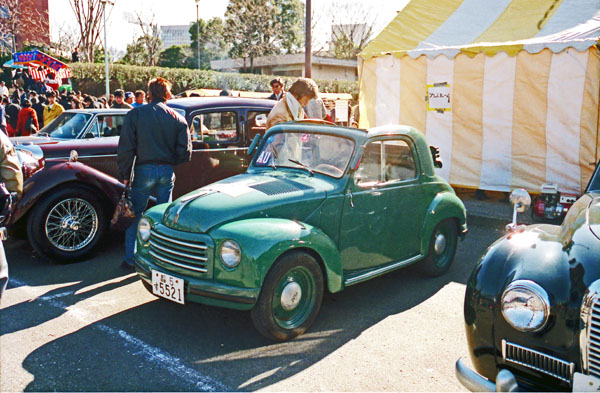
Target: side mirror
x,y
521,201
254,144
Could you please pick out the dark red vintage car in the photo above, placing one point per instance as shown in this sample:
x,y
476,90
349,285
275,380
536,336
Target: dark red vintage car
x,y
71,184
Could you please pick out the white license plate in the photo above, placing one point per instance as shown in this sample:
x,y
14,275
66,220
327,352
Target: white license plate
x,y
585,383
167,286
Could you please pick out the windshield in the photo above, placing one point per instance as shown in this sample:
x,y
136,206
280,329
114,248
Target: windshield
x,y
327,154
67,125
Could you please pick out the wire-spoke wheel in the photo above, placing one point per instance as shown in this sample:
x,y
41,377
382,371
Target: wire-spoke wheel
x,y
71,224
67,224
290,297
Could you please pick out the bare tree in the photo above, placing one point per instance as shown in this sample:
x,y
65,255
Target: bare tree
x,y
150,37
66,38
352,27
15,17
88,14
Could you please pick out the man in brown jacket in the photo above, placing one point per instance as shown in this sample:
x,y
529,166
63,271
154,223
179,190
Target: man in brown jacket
x,y
290,107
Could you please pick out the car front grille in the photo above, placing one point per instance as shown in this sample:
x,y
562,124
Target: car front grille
x,y
176,252
513,353
589,337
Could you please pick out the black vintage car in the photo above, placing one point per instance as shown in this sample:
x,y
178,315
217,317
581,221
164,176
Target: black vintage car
x,y
72,184
532,304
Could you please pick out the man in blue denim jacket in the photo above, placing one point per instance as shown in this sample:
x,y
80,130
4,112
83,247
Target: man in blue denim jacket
x,y
158,138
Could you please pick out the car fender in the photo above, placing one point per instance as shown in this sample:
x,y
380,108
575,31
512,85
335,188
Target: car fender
x,y
445,205
264,240
60,174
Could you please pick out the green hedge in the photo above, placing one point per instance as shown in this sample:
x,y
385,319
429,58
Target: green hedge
x,y
89,78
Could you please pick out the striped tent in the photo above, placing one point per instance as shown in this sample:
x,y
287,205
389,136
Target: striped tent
x,y
508,89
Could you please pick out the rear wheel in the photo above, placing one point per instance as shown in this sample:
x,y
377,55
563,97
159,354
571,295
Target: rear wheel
x,y
442,249
290,298
67,224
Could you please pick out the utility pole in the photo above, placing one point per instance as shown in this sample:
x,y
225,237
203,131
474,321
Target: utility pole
x,y
308,43
197,34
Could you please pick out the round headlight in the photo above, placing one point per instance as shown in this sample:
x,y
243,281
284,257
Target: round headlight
x,y
525,306
231,254
144,229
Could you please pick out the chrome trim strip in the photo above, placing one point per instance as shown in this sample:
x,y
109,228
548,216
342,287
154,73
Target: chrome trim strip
x,y
114,155
168,239
181,254
555,365
223,149
181,265
382,270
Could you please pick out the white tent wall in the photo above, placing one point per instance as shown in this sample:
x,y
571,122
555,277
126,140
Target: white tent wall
x,y
513,121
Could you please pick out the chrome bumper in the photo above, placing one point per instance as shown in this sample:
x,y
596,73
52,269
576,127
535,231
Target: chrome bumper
x,y
505,380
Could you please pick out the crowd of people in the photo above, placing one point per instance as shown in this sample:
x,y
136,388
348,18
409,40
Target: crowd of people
x,y
24,112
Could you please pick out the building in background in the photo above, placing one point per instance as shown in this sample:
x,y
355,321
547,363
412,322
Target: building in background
x,y
175,35
292,65
34,25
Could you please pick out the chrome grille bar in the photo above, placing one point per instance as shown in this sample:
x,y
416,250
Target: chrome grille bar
x,y
538,361
178,253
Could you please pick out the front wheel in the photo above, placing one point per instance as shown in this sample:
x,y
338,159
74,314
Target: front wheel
x,y
290,298
442,249
67,224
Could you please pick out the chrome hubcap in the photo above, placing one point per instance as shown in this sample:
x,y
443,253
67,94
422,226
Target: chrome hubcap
x,y
440,244
290,296
71,224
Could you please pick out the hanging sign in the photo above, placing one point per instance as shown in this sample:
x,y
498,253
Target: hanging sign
x,y
438,97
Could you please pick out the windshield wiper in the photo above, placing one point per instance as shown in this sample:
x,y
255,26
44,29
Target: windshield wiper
x,y
302,165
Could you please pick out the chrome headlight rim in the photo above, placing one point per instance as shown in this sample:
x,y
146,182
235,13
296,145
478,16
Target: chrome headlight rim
x,y
536,290
144,227
230,254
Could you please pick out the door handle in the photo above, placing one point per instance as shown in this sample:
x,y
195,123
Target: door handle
x,y
351,198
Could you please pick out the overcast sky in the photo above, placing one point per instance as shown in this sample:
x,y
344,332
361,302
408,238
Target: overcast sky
x,y
182,12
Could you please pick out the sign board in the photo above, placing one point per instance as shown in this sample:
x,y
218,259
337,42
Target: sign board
x,y
341,111
438,97
38,57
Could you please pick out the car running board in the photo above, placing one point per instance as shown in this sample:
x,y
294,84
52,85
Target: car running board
x,y
355,279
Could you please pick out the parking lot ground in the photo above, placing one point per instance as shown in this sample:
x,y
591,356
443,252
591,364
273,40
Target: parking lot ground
x,y
90,326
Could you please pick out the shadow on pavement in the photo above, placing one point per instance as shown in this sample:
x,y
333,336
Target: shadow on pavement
x,y
195,347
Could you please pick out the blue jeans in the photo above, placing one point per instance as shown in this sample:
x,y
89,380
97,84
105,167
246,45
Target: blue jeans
x,y
147,179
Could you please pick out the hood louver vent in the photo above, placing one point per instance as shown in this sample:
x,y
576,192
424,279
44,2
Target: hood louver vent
x,y
277,187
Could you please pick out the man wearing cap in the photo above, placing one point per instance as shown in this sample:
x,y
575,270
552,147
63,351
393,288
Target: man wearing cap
x,y
129,98
3,89
53,109
119,102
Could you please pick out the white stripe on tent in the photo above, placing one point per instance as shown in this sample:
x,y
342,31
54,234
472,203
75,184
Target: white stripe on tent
x,y
439,125
498,96
570,13
468,22
563,119
387,108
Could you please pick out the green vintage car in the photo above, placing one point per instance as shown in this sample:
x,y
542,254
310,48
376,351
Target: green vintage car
x,y
319,207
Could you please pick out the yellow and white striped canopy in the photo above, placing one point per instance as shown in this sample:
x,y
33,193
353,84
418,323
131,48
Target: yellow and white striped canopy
x,y
522,82
449,27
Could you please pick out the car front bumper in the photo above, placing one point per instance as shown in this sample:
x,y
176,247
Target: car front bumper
x,y
505,380
206,292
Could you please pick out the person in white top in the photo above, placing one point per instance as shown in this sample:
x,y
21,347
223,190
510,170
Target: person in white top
x,y
3,89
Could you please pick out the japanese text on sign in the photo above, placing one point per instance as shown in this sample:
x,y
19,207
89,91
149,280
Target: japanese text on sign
x,y
438,97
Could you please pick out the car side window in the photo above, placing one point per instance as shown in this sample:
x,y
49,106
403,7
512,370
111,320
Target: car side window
x,y
256,123
216,127
108,125
385,161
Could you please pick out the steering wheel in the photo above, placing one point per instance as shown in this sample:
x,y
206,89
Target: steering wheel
x,y
329,169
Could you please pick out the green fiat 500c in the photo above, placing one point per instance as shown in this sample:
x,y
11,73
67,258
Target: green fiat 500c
x,y
319,207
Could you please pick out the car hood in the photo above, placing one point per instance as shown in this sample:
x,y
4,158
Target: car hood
x,y
245,196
